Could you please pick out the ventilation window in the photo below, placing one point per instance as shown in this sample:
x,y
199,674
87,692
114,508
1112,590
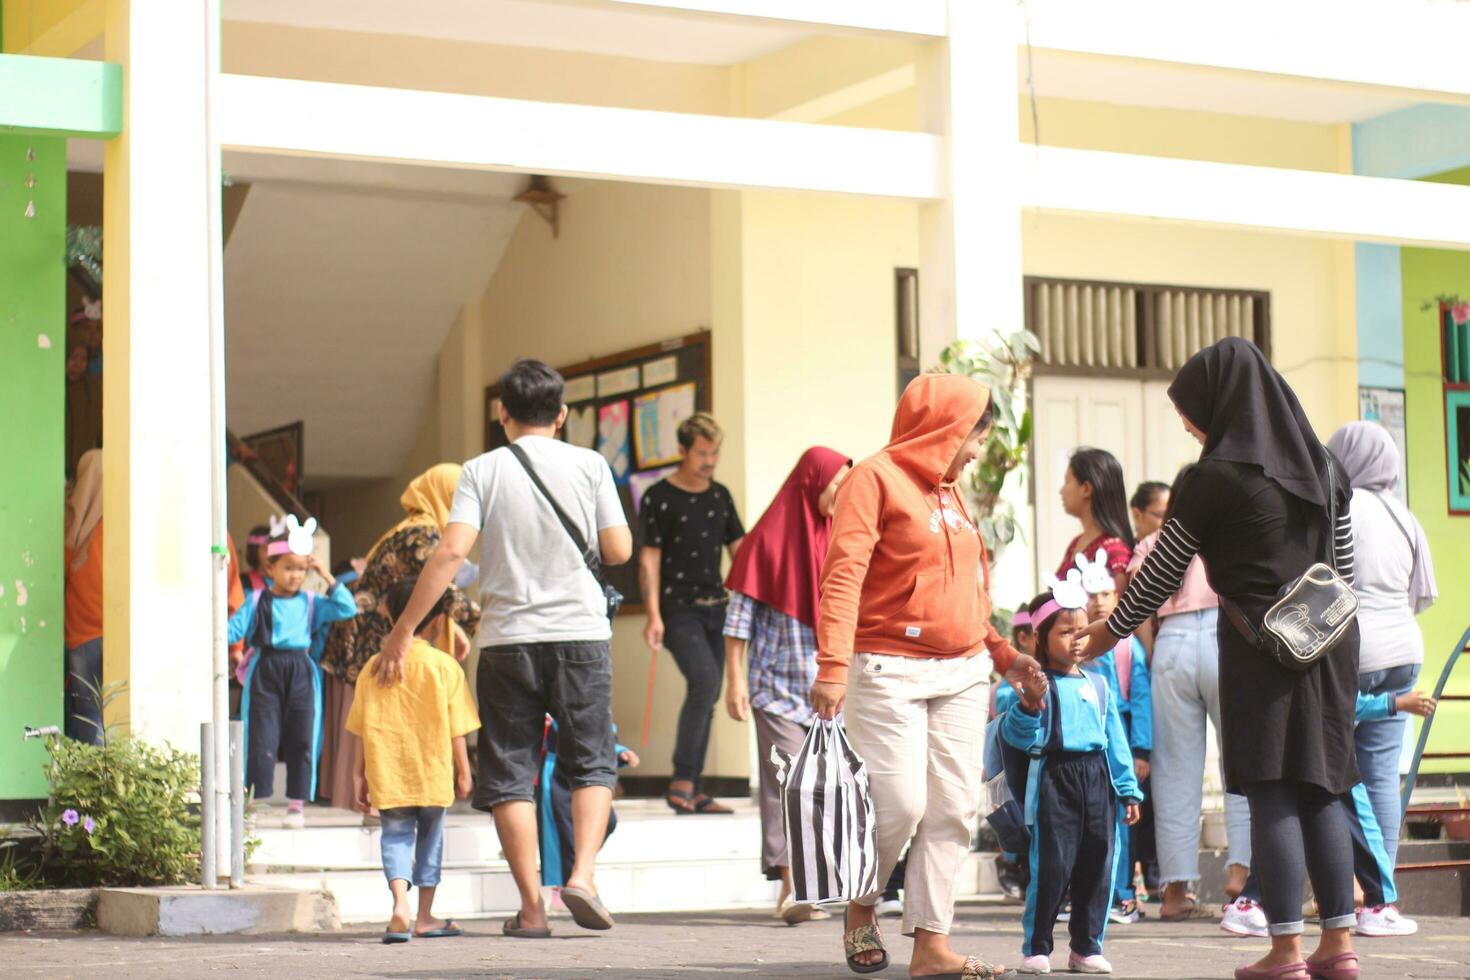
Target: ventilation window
x,y
1134,328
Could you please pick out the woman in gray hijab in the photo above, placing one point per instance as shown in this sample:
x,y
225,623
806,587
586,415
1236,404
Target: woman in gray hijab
x,y
1395,582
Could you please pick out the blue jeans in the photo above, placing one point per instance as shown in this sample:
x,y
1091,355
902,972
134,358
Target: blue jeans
x,y
1185,682
1379,744
83,720
413,843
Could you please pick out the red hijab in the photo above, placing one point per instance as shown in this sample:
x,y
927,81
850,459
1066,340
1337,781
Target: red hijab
x,y
780,560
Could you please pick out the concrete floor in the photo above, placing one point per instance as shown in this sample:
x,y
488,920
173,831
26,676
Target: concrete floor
x,y
707,944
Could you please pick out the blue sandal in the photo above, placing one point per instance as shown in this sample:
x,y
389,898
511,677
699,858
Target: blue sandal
x,y
394,938
449,928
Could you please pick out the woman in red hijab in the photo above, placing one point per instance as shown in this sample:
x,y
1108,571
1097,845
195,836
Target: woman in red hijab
x,y
773,614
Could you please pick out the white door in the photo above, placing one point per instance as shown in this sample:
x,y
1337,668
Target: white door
x,y
1167,447
1071,412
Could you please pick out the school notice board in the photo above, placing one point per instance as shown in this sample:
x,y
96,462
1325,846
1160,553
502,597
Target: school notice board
x,y
628,407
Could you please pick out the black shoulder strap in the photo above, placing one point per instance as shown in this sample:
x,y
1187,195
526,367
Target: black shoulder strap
x,y
1331,512
594,564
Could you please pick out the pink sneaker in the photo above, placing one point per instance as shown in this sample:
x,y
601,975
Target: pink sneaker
x,y
1035,964
1243,917
1088,964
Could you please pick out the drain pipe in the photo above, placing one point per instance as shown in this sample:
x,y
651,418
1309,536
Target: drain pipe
x,y
219,554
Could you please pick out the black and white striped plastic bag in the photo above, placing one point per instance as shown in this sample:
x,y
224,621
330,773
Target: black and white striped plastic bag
x,y
827,809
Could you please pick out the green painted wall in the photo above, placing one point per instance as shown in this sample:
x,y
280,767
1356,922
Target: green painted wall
x,y
1428,273
32,380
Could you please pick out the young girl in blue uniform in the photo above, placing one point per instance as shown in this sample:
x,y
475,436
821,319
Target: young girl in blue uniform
x,y
282,690
1080,769
1126,668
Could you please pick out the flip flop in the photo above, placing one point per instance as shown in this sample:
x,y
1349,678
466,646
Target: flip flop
x,y
586,908
1192,910
448,929
513,928
975,969
864,939
394,938
708,805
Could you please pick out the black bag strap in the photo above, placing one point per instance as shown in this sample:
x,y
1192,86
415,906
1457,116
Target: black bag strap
x,y
1237,616
594,563
1413,544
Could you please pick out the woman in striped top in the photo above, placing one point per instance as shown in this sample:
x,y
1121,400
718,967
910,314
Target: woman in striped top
x,y
1254,509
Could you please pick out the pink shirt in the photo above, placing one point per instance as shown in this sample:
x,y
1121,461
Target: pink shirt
x,y
1194,592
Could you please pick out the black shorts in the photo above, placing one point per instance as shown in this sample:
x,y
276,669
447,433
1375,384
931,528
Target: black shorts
x,y
518,686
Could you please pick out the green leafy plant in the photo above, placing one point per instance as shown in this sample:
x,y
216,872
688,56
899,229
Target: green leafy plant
x,y
119,814
1002,364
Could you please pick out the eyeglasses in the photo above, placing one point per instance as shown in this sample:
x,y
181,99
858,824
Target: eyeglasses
x,y
1157,515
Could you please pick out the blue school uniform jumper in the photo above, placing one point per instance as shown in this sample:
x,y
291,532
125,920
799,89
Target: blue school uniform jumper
x,y
1080,770
1137,712
281,700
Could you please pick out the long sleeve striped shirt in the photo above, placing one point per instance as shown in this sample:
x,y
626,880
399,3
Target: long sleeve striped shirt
x,y
1163,571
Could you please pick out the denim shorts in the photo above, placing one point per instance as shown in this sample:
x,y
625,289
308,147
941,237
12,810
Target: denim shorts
x,y
518,686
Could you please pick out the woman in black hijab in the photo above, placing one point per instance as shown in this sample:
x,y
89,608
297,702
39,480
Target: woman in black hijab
x,y
1255,509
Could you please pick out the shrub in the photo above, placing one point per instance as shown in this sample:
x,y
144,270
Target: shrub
x,y
119,814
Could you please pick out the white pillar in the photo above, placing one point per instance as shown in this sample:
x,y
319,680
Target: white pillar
x,y
970,242
156,420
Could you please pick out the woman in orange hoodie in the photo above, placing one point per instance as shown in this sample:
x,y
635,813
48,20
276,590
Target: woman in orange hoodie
x,y
904,640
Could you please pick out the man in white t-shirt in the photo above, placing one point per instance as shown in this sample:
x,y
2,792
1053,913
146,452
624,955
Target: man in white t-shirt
x,y
544,631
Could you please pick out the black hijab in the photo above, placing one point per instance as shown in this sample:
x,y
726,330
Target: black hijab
x,y
1250,415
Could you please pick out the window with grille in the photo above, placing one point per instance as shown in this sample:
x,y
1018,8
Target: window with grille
x,y
1137,328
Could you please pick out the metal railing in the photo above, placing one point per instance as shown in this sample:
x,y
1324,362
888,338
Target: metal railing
x,y
1419,755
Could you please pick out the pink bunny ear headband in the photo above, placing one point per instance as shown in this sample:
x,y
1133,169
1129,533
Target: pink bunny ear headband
x,y
1020,618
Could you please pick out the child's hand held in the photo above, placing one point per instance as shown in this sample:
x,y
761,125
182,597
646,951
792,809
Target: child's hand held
x,y
1415,703
1131,814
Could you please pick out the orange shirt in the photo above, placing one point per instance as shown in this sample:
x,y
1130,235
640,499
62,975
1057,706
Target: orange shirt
x,y
84,594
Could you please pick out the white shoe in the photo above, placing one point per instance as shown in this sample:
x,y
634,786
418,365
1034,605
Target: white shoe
x,y
1243,917
890,908
1385,920
1088,964
1035,964
294,820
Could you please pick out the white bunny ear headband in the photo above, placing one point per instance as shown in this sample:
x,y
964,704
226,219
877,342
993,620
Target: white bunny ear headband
x,y
1065,594
1095,575
298,537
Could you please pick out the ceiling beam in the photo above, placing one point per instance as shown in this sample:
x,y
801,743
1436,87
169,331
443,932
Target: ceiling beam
x,y
918,17
1198,192
471,132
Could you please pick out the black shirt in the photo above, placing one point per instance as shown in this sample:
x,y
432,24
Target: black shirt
x,y
690,529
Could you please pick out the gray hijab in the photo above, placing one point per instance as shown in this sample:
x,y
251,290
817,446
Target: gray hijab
x,y
1371,459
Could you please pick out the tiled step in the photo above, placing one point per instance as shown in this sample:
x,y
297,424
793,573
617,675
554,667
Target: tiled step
x,y
654,862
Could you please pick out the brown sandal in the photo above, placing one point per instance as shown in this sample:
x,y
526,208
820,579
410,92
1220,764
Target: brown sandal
x,y
864,939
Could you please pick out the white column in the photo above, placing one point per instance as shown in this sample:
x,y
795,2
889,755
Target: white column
x,y
970,241
156,421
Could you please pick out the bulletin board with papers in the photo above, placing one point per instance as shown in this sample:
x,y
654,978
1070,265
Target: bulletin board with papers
x,y
628,407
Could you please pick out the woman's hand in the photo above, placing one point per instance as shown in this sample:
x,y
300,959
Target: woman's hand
x,y
1141,769
1100,639
1414,703
827,698
737,695
1131,814
464,784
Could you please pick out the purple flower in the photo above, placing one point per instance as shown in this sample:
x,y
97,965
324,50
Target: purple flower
x,y
89,825
70,817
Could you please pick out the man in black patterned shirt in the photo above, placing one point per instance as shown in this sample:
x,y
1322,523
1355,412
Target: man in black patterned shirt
x,y
685,520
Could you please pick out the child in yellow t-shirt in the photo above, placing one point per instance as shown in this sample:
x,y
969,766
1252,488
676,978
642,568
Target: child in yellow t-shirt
x,y
412,766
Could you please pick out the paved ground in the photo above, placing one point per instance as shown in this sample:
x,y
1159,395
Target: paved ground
x,y
709,944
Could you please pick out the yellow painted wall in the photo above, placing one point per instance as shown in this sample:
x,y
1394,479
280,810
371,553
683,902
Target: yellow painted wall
x,y
1313,332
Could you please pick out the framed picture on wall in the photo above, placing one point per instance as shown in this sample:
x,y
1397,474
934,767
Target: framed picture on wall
x,y
1457,447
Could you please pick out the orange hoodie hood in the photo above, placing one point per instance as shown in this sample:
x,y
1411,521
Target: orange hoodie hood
x,y
935,415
